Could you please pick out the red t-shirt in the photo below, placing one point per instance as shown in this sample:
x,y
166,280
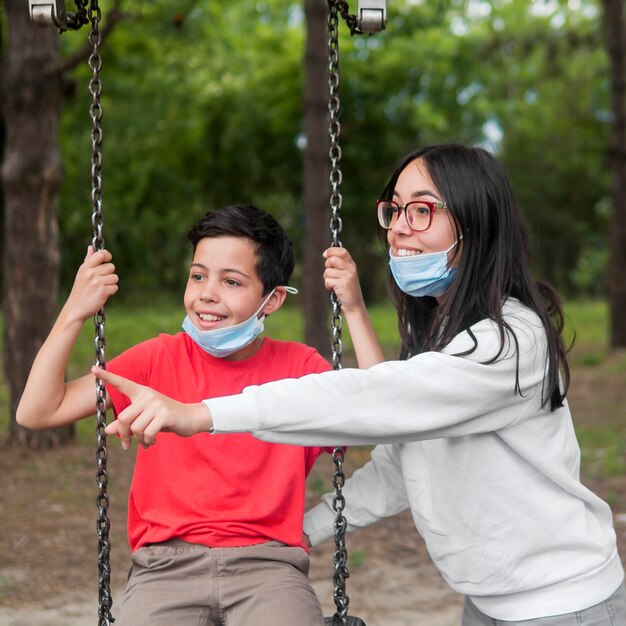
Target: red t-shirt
x,y
215,490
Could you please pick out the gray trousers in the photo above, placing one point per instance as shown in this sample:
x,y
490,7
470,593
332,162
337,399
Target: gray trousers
x,y
183,584
611,612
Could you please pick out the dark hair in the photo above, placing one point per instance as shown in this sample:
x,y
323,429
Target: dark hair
x,y
494,265
274,250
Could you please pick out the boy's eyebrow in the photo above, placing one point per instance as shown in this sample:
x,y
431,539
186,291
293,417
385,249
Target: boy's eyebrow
x,y
229,270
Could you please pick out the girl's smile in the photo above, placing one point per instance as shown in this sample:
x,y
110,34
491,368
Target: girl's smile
x,y
407,252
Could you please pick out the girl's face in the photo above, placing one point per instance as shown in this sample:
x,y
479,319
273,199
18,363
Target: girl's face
x,y
415,183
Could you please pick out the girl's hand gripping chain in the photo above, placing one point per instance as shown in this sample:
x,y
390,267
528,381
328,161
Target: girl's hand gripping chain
x,y
150,412
341,276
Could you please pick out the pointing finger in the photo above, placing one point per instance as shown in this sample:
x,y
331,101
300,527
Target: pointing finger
x,y
127,387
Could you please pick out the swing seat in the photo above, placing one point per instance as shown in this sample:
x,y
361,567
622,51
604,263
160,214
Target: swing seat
x,y
350,621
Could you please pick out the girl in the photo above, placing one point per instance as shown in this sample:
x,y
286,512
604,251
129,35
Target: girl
x,y
477,437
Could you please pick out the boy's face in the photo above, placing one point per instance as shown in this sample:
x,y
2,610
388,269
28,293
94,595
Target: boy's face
x,y
223,288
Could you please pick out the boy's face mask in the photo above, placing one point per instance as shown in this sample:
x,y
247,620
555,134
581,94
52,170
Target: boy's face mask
x,y
222,342
423,274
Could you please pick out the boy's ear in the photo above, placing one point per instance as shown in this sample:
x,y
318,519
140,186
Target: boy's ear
x,y
275,302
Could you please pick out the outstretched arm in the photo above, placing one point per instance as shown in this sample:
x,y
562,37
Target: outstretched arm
x,y
150,412
429,396
48,400
341,277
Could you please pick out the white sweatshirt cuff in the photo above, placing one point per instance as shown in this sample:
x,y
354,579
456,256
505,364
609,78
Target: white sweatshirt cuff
x,y
318,523
233,414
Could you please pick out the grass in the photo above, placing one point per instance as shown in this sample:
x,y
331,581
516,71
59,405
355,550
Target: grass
x,y
599,411
603,441
588,323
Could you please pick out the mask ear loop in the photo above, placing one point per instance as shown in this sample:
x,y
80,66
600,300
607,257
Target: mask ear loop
x,y
287,288
456,243
456,251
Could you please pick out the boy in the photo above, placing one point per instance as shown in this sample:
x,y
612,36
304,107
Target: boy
x,y
214,523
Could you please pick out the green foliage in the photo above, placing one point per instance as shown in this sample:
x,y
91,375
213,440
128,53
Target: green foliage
x,y
589,275
203,107
197,115
543,77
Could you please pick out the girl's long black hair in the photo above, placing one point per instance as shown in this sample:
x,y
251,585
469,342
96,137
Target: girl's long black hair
x,y
494,264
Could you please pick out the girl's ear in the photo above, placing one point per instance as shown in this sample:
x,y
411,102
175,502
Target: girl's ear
x,y
275,301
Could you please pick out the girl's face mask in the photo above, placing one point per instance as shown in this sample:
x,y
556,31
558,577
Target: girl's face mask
x,y
423,274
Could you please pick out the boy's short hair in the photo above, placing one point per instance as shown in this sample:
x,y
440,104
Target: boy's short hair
x,y
274,250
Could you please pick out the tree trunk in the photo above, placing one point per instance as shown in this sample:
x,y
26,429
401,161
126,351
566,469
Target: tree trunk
x,y
2,142
616,45
316,172
32,174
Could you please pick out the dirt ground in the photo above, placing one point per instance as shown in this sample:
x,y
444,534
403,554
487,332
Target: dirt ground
x,y
48,556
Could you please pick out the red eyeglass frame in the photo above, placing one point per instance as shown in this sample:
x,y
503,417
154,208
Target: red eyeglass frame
x,y
432,207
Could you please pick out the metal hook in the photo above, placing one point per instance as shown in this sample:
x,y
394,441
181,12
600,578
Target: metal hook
x,y
372,15
47,13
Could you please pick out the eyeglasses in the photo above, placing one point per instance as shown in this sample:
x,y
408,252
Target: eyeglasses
x,y
419,213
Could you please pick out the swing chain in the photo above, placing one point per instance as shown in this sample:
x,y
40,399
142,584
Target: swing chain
x,y
350,20
334,129
340,555
97,221
80,17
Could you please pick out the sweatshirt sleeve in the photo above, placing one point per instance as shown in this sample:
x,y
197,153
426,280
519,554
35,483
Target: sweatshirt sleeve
x,y
374,492
432,395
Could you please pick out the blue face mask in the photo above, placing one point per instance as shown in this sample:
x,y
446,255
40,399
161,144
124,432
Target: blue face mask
x,y
222,342
423,274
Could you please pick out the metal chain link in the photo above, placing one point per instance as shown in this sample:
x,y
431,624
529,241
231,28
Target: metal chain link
x,y
340,556
334,129
102,478
80,17
350,20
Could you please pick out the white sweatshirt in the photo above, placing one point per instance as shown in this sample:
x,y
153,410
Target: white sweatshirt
x,y
491,477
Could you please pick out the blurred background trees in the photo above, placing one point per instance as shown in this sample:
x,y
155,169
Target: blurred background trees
x,y
204,104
